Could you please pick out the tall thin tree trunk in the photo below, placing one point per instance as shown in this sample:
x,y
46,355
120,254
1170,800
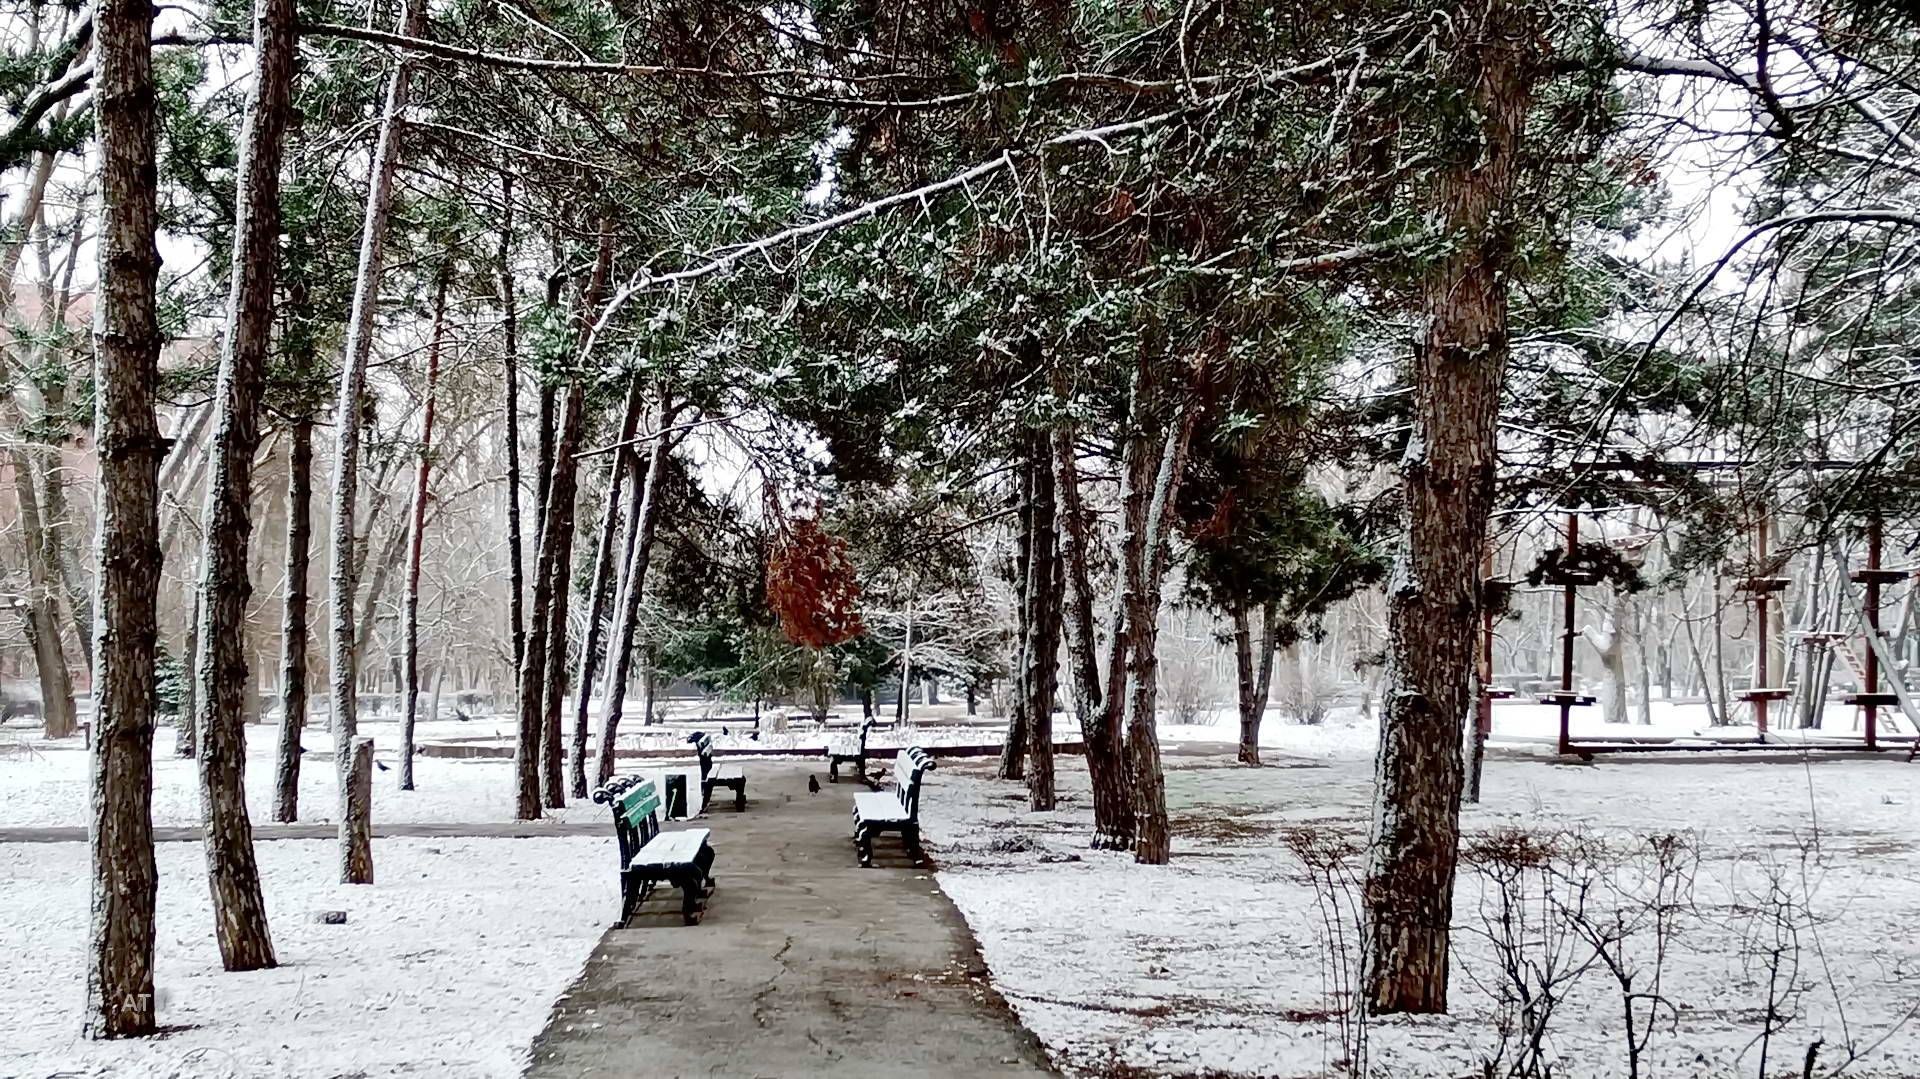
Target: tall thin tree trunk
x,y
602,574
40,610
1013,751
643,517
293,625
355,868
239,908
539,753
416,544
1043,626
509,316
186,740
120,933
1435,594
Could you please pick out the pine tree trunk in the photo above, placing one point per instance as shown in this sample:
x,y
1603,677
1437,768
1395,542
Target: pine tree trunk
x,y
597,599
119,996
239,909
1106,763
1013,751
509,318
39,610
539,753
1145,564
410,660
356,862
293,625
1448,475
1244,684
643,516
1043,627
186,740
557,564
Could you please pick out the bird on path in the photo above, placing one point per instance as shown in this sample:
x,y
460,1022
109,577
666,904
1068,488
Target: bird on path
x,y
724,732
813,785
380,766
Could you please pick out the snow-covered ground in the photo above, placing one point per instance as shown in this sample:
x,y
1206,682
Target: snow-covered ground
x,y
447,965
45,782
1217,964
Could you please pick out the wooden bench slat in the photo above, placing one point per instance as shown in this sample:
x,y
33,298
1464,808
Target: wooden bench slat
x,y
672,848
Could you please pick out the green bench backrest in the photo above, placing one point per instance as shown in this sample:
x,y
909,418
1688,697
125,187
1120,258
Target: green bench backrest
x,y
639,803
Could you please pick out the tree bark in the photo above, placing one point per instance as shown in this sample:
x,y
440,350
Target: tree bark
x,y
1448,475
1013,751
293,625
239,908
186,740
356,861
119,995
643,516
617,469
1144,569
1246,684
1043,627
509,316
538,753
1106,763
39,609
418,531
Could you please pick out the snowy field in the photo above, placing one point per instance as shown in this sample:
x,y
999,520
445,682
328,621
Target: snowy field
x,y
45,783
1795,925
447,965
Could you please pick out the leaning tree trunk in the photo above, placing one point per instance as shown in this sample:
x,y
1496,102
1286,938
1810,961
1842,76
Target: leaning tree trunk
x,y
1433,619
643,516
1144,568
119,998
239,908
40,610
602,576
355,866
293,625
1043,627
410,660
1106,767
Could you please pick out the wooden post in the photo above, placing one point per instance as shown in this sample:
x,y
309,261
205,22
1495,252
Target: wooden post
x,y
356,824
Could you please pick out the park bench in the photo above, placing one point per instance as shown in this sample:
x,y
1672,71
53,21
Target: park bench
x,y
721,775
649,856
896,810
848,749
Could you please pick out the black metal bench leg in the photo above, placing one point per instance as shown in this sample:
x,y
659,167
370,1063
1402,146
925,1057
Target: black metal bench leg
x,y
740,797
863,842
910,835
833,769
629,891
691,893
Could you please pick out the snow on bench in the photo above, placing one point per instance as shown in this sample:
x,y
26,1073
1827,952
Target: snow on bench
x,y
896,810
649,856
848,749
724,775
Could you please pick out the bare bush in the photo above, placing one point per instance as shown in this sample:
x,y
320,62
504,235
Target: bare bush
x,y
1333,865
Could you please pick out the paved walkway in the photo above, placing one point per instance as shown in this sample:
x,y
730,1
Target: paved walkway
x,y
805,964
